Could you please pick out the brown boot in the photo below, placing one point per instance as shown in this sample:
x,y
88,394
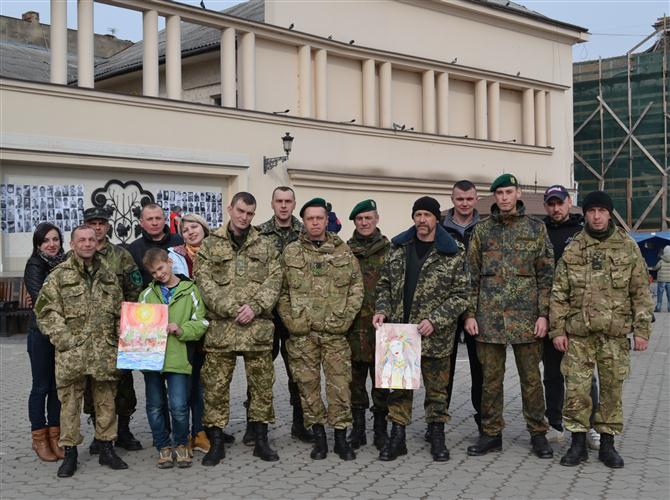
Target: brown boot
x,y
54,436
41,446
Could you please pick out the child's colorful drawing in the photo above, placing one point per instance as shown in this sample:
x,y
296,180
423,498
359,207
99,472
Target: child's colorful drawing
x,y
143,336
398,357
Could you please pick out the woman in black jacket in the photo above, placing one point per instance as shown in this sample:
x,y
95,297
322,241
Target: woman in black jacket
x,y
47,254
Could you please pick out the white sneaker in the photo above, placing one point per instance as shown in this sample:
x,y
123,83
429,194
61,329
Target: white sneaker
x,y
555,436
593,439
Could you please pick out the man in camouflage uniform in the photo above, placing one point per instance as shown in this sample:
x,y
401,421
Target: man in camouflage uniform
x,y
424,281
122,264
78,308
283,228
511,265
600,294
239,276
321,295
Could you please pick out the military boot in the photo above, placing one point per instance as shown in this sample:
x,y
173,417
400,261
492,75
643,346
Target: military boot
x,y
262,448
379,426
607,453
125,438
357,437
541,446
216,451
485,444
320,448
249,438
342,446
69,465
109,457
577,453
396,445
228,438
426,435
298,430
438,449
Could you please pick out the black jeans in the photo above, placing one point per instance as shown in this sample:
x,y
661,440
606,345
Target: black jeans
x,y
43,390
476,376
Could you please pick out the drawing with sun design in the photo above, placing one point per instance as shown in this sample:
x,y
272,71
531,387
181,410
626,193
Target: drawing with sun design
x,y
143,336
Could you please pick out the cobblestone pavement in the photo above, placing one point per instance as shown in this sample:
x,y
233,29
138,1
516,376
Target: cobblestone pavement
x,y
514,473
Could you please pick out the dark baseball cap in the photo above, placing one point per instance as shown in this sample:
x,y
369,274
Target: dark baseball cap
x,y
556,191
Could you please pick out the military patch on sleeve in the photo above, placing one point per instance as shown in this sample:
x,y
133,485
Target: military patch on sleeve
x,y
41,302
136,277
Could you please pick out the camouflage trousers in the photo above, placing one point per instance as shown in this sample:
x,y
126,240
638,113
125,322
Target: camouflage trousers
x,y
71,397
216,375
126,401
307,354
359,391
527,357
435,374
612,358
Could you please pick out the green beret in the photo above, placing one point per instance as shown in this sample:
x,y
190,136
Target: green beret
x,y
503,181
363,206
314,202
96,213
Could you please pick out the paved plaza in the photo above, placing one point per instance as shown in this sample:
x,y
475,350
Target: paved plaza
x,y
514,473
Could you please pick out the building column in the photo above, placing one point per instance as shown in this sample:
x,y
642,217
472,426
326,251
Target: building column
x,y
428,102
228,69
540,119
548,116
85,37
481,120
528,126
443,103
248,56
173,57
321,82
58,62
369,94
150,53
385,99
494,111
305,80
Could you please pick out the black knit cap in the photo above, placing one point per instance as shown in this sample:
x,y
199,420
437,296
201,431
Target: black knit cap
x,y
428,204
597,199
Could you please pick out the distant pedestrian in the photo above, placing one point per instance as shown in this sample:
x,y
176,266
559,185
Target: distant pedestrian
x,y
663,279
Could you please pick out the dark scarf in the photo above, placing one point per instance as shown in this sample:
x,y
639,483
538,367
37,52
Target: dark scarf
x,y
52,261
601,235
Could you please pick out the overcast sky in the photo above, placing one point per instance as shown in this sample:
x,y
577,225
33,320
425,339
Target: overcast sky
x,y
615,25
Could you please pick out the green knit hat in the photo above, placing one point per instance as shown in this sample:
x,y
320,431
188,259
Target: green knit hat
x,y
363,206
314,202
503,181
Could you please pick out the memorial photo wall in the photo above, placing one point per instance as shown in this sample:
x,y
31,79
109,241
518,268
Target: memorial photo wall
x,y
207,204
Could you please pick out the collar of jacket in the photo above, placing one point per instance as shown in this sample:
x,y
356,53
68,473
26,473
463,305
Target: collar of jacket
x,y
444,242
222,233
449,220
270,226
498,216
363,246
617,238
573,220
328,246
78,263
164,239
105,250
184,286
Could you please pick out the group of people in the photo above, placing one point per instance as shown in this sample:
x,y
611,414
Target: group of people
x,y
565,292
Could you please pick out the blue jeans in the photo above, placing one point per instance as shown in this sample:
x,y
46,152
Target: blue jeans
x,y
43,390
196,401
661,287
159,400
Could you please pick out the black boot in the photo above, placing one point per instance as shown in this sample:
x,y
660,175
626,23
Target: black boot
x,y
426,435
249,438
484,444
216,451
298,430
396,445
125,438
357,437
438,449
577,453
541,446
379,426
94,447
342,447
109,457
262,449
607,453
228,438
69,464
320,448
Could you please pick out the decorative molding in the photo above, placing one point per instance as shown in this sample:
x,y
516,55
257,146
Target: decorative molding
x,y
124,202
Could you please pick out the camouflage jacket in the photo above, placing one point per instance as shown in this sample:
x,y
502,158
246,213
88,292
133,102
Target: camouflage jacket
x,y
441,293
229,277
370,253
601,287
323,288
120,261
79,309
511,267
280,236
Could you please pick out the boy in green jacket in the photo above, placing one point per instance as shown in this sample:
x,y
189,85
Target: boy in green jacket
x,y
186,324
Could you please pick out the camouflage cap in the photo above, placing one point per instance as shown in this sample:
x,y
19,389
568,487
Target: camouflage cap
x,y
363,206
96,213
505,180
314,202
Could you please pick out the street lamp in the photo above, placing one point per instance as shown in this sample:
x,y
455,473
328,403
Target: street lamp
x,y
270,163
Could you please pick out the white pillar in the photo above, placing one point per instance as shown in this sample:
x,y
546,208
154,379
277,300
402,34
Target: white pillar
x,y
494,111
305,80
369,94
150,53
385,93
428,102
540,119
481,120
58,63
228,68
85,60
321,81
173,57
443,103
248,56
528,111
548,115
